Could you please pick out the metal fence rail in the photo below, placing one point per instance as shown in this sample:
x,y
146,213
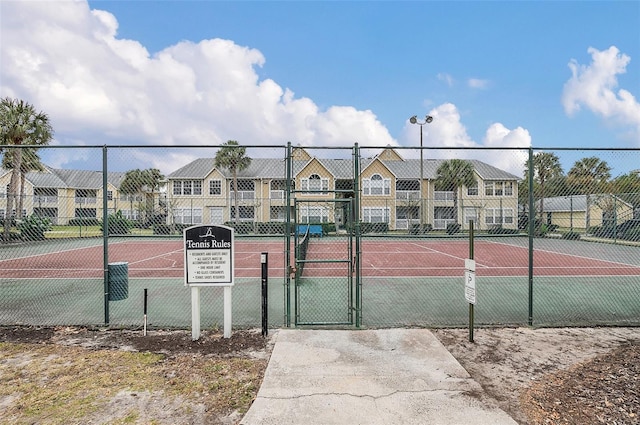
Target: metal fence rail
x,y
557,234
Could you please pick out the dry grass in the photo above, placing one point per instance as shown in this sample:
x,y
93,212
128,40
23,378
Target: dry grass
x,y
56,384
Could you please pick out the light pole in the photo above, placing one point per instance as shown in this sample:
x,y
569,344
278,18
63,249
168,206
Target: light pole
x,y
414,120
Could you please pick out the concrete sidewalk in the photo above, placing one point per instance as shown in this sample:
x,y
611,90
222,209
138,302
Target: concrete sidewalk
x,y
389,376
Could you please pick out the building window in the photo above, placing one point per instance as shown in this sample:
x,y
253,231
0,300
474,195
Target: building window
x,y
315,184
498,188
85,213
277,213
187,216
471,214
376,185
497,216
131,214
246,190
109,195
473,190
314,215
187,187
277,189
245,213
215,187
375,215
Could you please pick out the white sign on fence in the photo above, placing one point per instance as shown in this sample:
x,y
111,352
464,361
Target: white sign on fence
x,y
470,281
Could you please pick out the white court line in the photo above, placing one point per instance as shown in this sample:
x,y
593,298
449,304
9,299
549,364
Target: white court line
x,y
565,254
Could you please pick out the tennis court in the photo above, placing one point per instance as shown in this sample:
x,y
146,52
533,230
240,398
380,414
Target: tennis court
x,y
380,258
408,282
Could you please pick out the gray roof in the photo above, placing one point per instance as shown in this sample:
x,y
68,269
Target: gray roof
x,y
264,168
409,168
74,179
570,203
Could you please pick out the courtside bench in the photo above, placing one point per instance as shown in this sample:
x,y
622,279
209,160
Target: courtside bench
x,y
314,229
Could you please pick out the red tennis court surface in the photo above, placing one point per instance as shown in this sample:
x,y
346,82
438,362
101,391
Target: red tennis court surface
x,y
164,259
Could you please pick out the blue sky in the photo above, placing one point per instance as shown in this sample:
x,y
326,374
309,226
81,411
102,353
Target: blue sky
x,y
516,74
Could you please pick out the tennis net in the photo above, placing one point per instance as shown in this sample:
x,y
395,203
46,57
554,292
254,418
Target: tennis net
x,y
301,252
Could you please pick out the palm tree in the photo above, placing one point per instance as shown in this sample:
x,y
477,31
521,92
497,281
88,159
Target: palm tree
x,y
546,168
20,124
30,162
233,158
589,175
452,175
152,178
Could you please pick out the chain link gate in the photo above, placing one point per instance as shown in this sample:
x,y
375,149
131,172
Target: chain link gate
x,y
324,283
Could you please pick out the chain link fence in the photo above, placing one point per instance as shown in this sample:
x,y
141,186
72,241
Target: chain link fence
x,y
556,234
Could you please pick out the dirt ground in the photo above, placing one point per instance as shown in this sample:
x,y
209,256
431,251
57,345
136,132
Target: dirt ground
x,y
555,376
542,376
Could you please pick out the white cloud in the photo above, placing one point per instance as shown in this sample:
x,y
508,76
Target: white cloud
x,y
477,83
447,131
594,86
448,79
68,61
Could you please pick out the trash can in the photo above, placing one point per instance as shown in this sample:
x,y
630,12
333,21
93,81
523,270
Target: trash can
x,y
118,281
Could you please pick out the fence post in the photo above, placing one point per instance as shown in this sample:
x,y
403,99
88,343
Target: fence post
x,y
105,235
532,221
264,260
287,238
356,215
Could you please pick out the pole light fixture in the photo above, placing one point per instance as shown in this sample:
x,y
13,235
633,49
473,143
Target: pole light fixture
x,y
427,120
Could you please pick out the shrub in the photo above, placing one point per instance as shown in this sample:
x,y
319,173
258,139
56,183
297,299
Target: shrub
x,y
270,228
242,228
632,234
33,227
416,230
571,236
499,230
84,221
162,229
374,228
118,225
154,220
453,228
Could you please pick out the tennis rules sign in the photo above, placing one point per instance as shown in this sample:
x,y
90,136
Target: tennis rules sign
x,y
208,256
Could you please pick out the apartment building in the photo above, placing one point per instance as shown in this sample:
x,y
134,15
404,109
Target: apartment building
x,y
391,192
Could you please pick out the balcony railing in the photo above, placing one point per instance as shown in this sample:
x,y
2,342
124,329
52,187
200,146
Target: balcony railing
x,y
42,199
440,195
276,194
408,195
442,223
85,200
243,195
403,223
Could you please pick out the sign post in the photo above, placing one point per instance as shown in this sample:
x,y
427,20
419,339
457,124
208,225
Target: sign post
x,y
208,261
470,281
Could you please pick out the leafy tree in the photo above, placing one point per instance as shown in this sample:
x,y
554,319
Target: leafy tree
x,y
589,175
143,183
233,158
546,168
20,124
451,175
627,187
